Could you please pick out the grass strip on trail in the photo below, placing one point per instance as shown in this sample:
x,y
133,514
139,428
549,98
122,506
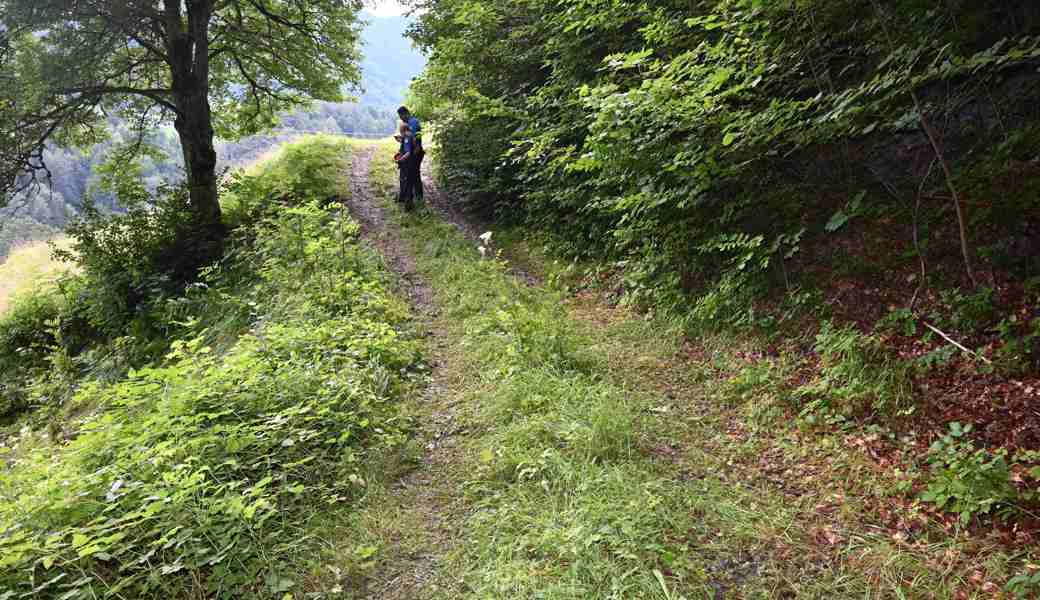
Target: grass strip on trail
x,y
600,462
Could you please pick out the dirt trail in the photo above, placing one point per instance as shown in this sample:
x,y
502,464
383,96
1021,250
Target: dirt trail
x,y
424,504
412,566
376,230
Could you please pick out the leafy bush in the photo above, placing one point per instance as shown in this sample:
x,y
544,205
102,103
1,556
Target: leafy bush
x,y
1025,585
298,172
1019,352
26,338
900,321
968,313
968,481
131,261
697,144
198,469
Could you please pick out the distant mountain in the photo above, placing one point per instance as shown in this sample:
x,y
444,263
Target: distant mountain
x,y
390,62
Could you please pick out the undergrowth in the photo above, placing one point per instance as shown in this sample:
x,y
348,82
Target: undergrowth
x,y
564,505
215,470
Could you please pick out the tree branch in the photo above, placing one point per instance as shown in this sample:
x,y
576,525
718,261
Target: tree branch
x,y
155,94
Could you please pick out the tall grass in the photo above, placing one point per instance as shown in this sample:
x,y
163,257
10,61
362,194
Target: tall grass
x,y
218,471
600,462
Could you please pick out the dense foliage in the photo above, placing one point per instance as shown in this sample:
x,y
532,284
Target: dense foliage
x,y
854,180
715,146
211,466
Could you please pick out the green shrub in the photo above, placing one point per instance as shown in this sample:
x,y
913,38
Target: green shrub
x,y
729,303
966,313
671,137
26,339
131,261
900,321
47,343
968,481
1019,352
25,335
1025,585
310,169
199,471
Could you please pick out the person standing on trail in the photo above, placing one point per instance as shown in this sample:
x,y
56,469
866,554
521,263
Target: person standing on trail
x,y
406,159
416,127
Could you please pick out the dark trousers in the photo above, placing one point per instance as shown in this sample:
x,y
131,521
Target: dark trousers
x,y
417,185
406,194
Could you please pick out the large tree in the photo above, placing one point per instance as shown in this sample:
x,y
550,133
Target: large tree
x,y
225,66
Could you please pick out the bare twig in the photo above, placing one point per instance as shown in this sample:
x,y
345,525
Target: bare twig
x,y
933,139
955,342
917,239
961,220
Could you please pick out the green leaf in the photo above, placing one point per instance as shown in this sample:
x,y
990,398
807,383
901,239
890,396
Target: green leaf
x,y
837,221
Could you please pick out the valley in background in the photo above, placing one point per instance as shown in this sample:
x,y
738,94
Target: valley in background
x,y
389,64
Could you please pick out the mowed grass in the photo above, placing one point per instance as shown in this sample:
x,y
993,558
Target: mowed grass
x,y
604,457
26,267
561,498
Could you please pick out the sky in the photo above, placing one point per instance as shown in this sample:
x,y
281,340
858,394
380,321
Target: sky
x,y
386,8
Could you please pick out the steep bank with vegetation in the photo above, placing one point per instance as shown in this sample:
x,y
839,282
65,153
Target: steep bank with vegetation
x,y
206,442
75,173
853,184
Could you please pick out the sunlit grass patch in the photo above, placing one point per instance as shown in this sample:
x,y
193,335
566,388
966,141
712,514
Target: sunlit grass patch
x,y
26,267
567,502
313,167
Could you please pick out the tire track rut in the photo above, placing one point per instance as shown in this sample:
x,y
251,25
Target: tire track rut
x,y
408,572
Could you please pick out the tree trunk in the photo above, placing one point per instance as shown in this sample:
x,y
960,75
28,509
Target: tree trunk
x,y
195,128
189,66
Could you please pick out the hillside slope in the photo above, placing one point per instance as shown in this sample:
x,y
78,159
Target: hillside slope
x,y
390,61
212,445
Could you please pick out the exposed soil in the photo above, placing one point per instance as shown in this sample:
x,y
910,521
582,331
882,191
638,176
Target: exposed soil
x,y
374,227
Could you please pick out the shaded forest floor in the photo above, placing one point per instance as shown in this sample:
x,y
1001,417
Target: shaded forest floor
x,y
571,448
